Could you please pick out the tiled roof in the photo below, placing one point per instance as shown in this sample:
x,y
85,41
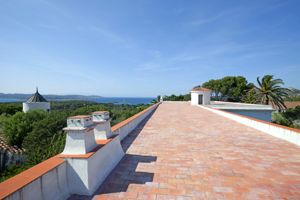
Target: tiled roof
x,y
79,117
199,155
202,155
11,149
36,97
201,89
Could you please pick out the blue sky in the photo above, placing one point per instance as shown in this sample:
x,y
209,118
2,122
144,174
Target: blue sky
x,y
144,47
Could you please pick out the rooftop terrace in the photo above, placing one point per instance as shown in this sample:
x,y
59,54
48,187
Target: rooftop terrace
x,y
187,152
172,151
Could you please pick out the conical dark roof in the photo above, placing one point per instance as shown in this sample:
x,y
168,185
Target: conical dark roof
x,y
36,97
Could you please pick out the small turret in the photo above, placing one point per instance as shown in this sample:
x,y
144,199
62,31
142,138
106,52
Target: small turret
x,y
36,102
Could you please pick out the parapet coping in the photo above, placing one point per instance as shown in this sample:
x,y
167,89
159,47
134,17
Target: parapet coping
x,y
19,181
254,119
239,106
101,112
130,119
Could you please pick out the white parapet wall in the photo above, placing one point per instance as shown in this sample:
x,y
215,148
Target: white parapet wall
x,y
50,183
289,134
105,162
86,173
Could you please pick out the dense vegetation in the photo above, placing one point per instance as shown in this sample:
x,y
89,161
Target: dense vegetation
x,y
10,108
180,97
237,89
291,117
229,88
40,133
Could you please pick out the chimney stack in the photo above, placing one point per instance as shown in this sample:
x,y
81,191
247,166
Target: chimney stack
x,y
102,129
80,135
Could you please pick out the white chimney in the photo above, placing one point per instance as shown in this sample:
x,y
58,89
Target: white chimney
x,y
80,135
102,128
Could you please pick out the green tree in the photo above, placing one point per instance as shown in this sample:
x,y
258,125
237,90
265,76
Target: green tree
x,y
180,97
187,97
291,117
250,97
41,135
215,86
20,124
46,139
270,91
229,88
156,100
10,108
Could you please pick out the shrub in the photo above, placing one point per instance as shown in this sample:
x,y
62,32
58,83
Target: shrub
x,y
278,118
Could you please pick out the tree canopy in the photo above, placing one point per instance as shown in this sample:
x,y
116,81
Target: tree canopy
x,y
229,88
180,97
17,127
40,133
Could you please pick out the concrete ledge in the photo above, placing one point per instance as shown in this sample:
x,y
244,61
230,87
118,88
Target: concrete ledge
x,y
291,135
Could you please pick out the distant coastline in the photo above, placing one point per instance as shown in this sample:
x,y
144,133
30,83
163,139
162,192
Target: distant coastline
x,y
99,99
23,97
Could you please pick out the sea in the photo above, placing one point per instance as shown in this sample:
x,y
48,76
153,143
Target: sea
x,y
114,100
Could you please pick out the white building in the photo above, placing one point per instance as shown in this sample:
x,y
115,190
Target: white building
x,y
36,102
200,96
161,99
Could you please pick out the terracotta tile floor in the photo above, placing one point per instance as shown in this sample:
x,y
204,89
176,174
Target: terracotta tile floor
x,y
185,152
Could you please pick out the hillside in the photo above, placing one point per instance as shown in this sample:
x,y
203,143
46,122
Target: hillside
x,y
49,97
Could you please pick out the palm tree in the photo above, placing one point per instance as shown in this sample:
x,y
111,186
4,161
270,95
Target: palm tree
x,y
271,92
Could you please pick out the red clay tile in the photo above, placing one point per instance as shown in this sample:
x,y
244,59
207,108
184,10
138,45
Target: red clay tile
x,y
186,152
